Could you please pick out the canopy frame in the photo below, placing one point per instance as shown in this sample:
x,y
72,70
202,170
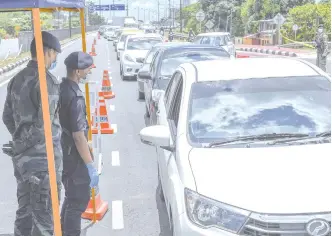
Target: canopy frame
x,y
45,103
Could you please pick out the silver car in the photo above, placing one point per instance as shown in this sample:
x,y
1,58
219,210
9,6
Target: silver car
x,y
218,39
135,51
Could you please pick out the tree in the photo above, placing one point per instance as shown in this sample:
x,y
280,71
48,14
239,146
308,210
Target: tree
x,y
307,17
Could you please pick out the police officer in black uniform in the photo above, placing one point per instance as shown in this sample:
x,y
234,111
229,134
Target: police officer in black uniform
x,y
79,173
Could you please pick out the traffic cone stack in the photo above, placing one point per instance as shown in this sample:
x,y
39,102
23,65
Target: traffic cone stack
x,y
105,127
93,51
106,90
96,209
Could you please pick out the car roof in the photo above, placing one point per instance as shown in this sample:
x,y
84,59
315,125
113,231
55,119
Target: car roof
x,y
246,68
142,35
190,46
171,44
213,34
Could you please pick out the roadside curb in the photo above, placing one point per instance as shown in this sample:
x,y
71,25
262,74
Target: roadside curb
x,y
16,64
267,51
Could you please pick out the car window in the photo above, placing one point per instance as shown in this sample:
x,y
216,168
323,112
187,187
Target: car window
x,y
150,55
172,86
175,111
230,109
172,60
197,40
206,40
142,43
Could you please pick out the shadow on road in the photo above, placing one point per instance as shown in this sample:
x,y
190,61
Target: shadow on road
x,y
163,216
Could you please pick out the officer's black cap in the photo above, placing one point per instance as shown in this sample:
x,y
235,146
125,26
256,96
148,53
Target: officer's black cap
x,y
50,41
79,61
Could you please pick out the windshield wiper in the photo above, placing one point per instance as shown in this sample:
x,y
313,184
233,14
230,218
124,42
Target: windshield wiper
x,y
325,134
261,137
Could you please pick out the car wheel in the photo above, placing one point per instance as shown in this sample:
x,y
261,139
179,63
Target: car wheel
x,y
121,70
140,95
124,77
117,57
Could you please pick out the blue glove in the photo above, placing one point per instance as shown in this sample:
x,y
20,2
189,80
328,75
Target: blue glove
x,y
94,177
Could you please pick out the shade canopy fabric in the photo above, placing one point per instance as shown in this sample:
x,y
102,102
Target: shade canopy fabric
x,y
19,4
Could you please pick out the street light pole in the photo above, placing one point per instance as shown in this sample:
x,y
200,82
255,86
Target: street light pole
x,y
180,16
127,8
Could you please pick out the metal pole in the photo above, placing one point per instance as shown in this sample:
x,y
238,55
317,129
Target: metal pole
x,y
127,8
100,8
70,33
231,20
158,11
180,16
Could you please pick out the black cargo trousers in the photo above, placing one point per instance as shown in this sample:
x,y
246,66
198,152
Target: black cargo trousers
x,y
76,181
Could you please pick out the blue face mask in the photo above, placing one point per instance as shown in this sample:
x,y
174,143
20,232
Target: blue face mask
x,y
53,65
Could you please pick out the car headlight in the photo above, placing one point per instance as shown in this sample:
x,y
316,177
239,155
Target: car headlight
x,y
128,58
206,213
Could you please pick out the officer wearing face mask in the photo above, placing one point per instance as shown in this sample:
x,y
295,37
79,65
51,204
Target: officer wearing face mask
x,y
79,173
322,48
23,117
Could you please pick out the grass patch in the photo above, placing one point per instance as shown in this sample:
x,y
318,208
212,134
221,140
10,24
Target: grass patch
x,y
8,61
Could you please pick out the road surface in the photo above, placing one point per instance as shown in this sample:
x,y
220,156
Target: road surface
x,y
129,179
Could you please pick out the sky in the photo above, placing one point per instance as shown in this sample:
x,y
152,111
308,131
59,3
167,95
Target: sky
x,y
149,6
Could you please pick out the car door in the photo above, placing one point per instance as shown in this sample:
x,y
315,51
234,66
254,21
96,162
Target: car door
x,y
168,115
149,84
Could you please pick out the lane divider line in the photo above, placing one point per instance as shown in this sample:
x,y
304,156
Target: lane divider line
x,y
115,158
117,215
114,127
112,107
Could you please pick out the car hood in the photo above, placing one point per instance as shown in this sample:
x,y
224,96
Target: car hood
x,y
292,179
137,53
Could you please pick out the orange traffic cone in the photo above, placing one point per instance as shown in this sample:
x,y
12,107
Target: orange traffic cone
x,y
106,90
93,51
93,66
96,209
105,127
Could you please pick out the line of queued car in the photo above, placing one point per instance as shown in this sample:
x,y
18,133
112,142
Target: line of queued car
x,y
240,143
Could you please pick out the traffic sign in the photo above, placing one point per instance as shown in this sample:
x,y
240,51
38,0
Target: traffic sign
x,y
209,24
118,7
295,27
200,16
102,7
279,19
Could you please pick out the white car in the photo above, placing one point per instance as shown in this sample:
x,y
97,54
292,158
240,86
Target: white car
x,y
218,39
110,32
135,51
243,147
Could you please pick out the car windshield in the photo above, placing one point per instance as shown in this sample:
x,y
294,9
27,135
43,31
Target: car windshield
x,y
172,60
228,110
220,40
142,43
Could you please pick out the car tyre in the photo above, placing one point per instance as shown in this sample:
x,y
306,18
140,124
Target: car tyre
x,y
117,57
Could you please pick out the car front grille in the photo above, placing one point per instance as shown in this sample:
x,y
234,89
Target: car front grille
x,y
280,225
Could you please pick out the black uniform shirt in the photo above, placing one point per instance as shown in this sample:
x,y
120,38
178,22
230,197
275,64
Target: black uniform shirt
x,y
73,117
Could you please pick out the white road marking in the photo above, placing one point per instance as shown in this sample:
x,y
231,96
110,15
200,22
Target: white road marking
x,y
100,163
117,215
114,127
112,107
115,158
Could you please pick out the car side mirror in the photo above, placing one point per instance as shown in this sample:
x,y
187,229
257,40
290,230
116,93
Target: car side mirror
x,y
143,74
157,135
